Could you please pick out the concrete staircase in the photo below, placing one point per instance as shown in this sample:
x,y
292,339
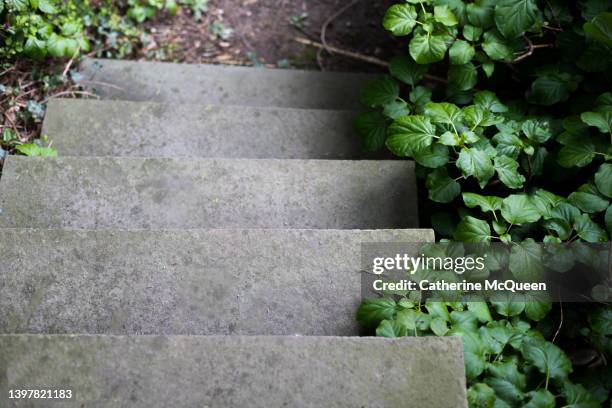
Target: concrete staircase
x,y
197,244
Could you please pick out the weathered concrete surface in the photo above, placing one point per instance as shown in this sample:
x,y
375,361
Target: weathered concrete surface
x,y
134,193
222,84
141,129
213,371
185,282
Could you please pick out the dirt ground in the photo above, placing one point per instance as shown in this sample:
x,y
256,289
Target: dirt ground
x,y
263,32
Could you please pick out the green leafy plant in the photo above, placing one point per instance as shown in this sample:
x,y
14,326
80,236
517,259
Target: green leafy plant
x,y
508,361
506,108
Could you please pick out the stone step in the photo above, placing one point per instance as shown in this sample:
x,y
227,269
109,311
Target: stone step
x,y
185,282
237,371
134,193
222,84
81,127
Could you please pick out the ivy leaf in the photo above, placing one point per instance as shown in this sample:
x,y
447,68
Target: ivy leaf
x,y
480,13
409,134
551,88
428,48
372,311
472,229
600,28
540,399
433,156
438,326
471,33
441,188
463,77
396,109
486,203
579,154
444,113
480,395
372,130
16,5
480,310
509,307
589,230
495,46
537,308
391,329
34,150
507,171
549,359
526,261
488,101
380,92
514,17
58,46
536,131
578,397
406,70
443,15
400,19
507,381
477,163
603,179
589,203
600,120
461,52
519,209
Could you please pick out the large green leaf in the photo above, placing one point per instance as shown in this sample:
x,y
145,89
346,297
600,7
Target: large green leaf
x,y
603,179
372,311
540,399
434,156
578,154
588,230
600,120
600,28
507,381
509,307
409,134
400,19
390,328
486,203
406,70
488,100
480,395
477,163
549,359
444,113
496,47
16,5
577,396
372,130
472,229
519,209
608,220
478,116
537,308
526,261
380,92
462,77
550,88
428,48
480,13
461,52
589,203
441,188
507,171
514,17
444,15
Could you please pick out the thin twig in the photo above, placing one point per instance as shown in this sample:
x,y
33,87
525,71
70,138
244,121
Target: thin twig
x,y
329,21
69,64
560,323
361,57
532,48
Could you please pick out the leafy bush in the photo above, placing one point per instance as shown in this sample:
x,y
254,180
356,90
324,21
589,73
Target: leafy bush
x,y
505,107
40,28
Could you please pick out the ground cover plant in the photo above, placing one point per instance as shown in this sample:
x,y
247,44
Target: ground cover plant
x,y
506,108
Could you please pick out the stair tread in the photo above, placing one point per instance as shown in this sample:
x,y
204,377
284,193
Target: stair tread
x,y
79,127
186,281
222,84
238,371
133,193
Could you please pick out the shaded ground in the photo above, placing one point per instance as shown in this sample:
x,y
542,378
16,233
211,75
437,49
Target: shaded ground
x,y
254,32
